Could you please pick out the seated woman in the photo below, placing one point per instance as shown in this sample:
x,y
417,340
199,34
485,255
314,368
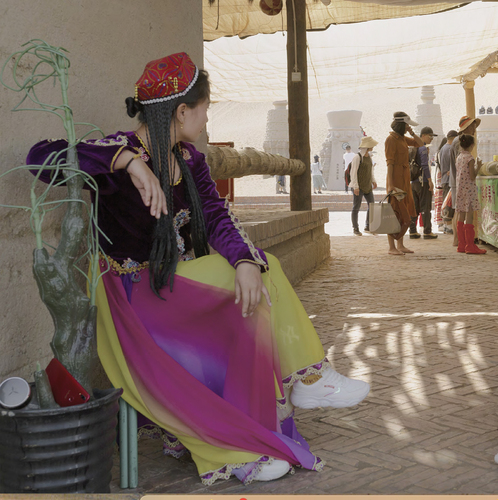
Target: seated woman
x,y
207,346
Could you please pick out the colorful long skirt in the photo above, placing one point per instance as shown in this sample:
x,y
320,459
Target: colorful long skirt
x,y
438,199
216,382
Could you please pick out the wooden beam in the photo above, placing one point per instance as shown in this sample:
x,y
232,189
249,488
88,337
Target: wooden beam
x,y
297,91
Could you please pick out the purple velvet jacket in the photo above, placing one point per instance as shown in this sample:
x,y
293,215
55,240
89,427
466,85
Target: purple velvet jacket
x,y
127,222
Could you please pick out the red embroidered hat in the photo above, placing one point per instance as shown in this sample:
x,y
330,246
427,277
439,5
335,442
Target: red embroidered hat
x,y
465,121
166,78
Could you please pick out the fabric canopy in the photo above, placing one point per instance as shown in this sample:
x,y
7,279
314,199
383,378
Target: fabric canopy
x,y
480,69
344,59
244,18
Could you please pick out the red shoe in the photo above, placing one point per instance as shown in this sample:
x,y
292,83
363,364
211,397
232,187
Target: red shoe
x,y
471,247
461,237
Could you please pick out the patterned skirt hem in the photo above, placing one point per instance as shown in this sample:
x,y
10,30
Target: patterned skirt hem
x,y
316,369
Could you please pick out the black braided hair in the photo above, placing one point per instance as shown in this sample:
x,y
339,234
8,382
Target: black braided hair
x,y
163,257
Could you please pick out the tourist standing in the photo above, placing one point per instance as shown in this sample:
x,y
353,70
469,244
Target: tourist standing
x,y
317,176
466,196
398,176
467,126
438,189
347,157
445,162
423,188
280,186
362,182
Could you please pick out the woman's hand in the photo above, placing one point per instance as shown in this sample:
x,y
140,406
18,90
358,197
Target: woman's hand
x,y
418,140
248,287
478,164
149,187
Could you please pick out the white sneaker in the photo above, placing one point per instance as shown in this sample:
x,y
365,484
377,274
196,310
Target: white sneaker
x,y
333,389
276,469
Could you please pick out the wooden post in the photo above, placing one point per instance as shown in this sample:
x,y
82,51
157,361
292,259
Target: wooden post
x,y
470,101
297,91
470,107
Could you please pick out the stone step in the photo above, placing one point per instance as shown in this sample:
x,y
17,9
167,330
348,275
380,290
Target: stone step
x,y
334,202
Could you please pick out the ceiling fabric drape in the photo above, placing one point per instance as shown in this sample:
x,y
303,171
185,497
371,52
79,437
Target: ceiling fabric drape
x,y
242,18
395,53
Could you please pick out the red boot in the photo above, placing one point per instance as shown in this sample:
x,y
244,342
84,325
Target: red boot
x,y
461,237
471,247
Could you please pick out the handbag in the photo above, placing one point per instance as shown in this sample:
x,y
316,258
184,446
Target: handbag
x,y
446,209
382,219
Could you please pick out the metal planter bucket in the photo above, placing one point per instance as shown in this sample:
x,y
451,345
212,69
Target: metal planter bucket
x,y
62,450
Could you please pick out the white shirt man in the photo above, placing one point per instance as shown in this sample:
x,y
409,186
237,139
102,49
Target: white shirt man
x,y
347,157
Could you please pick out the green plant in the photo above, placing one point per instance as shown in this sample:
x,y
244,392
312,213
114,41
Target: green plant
x,y
73,312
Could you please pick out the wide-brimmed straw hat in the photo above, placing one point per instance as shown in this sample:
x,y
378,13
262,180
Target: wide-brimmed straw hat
x,y
367,142
466,121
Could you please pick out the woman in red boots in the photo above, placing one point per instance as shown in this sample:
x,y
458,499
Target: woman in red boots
x,y
466,196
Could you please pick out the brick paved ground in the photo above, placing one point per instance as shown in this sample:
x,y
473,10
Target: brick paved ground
x,y
422,330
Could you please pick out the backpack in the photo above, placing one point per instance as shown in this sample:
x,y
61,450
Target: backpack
x,y
347,172
415,168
